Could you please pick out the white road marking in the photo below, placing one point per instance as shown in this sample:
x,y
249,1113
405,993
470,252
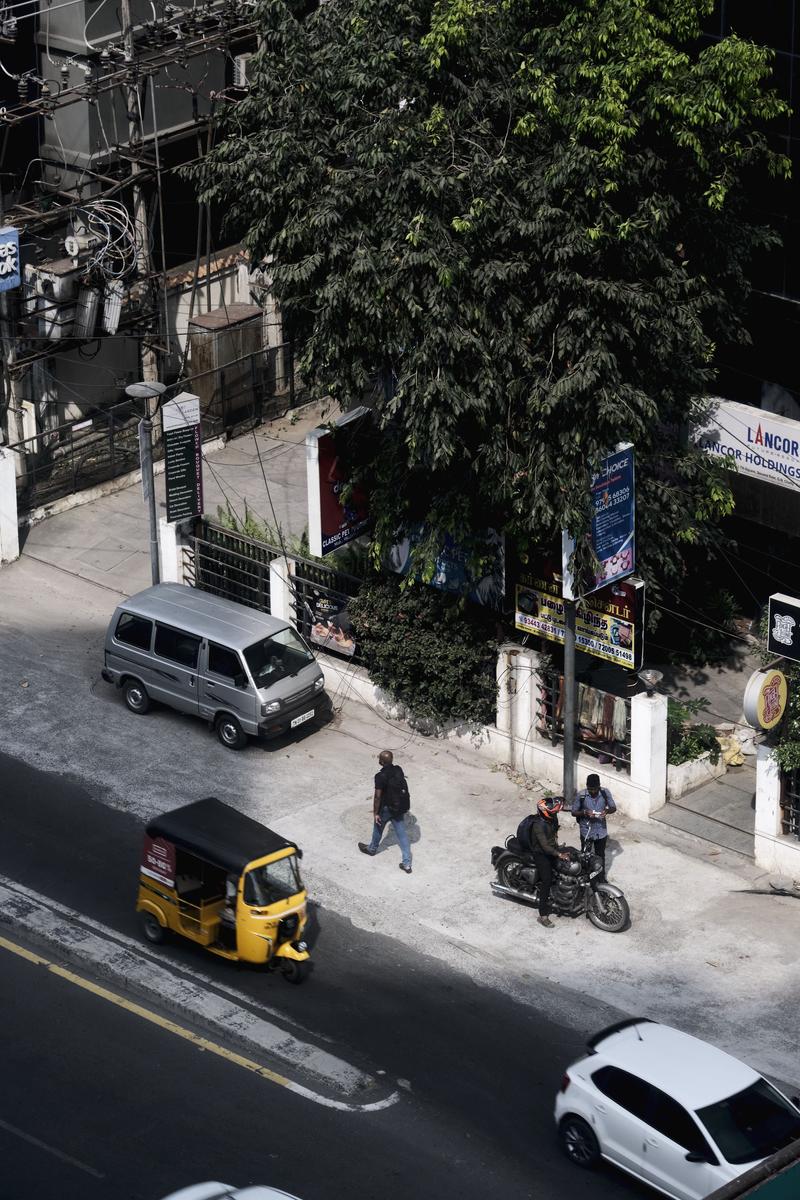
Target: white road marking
x,y
65,1158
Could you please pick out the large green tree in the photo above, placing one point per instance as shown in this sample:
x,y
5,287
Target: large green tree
x,y
530,219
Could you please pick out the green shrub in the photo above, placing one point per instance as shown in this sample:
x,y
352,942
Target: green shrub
x,y
685,741
428,650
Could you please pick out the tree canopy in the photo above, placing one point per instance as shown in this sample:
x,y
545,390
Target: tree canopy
x,y
530,218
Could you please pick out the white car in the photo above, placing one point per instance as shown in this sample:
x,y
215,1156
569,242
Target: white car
x,y
227,1191
671,1110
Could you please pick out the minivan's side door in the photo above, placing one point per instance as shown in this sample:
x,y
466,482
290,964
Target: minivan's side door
x,y
174,668
673,1134
224,684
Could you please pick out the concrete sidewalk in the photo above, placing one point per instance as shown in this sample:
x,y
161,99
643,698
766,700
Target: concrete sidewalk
x,y
702,953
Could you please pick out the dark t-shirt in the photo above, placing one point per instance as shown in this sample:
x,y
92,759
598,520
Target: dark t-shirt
x,y
382,779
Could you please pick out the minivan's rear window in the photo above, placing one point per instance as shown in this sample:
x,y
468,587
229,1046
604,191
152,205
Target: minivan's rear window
x,y
176,645
134,631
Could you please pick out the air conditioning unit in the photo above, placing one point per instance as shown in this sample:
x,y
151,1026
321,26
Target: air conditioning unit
x,y
240,70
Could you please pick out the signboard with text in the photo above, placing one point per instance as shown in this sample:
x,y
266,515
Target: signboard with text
x,y
158,860
183,457
753,442
612,534
783,633
608,623
9,259
332,520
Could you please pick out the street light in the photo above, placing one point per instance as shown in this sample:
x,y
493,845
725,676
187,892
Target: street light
x,y
651,679
148,392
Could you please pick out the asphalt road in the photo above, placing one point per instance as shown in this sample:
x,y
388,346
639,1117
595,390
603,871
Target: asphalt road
x,y
150,1112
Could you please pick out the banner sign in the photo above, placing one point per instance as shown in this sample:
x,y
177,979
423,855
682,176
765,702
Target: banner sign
x,y
158,860
613,525
453,568
608,624
756,443
183,457
783,633
331,522
9,259
765,699
332,628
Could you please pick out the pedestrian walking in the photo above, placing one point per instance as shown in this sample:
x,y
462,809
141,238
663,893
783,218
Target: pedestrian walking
x,y
390,803
590,809
543,844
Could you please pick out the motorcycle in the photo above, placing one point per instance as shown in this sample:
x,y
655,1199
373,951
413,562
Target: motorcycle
x,y
577,885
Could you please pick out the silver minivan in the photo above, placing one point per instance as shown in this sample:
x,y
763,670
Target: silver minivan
x,y
244,672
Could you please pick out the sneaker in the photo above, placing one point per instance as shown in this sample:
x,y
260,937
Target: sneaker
x,y
406,868
548,924
365,849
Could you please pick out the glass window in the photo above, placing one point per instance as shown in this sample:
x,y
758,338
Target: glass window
x,y
752,1124
277,657
626,1090
176,645
224,662
671,1119
274,881
134,631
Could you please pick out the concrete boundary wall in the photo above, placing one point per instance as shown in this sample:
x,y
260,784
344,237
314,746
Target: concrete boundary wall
x,y
775,851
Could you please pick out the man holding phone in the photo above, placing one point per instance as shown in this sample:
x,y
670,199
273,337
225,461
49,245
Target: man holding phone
x,y
590,808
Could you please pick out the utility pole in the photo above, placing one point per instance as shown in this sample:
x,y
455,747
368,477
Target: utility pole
x,y
149,392
135,137
569,701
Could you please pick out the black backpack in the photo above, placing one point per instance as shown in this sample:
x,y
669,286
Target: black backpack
x,y
397,795
525,833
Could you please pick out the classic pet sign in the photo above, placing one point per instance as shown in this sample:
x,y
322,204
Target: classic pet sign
x,y
765,699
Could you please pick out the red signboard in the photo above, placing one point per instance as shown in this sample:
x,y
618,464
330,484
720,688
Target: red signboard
x,y
332,521
158,860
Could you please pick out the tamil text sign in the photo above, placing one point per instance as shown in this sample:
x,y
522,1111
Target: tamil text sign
x,y
753,442
607,624
183,457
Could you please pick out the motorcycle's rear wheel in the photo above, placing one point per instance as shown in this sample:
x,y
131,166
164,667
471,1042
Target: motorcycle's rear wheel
x,y
508,873
608,911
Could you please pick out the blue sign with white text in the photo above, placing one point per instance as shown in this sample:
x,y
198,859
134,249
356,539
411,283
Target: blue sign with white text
x,y
9,259
613,515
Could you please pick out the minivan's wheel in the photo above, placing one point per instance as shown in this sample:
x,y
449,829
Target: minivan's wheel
x,y
294,971
230,732
152,928
136,696
608,911
578,1142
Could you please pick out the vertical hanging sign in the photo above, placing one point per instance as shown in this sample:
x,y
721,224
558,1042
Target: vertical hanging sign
x,y
613,526
9,259
183,457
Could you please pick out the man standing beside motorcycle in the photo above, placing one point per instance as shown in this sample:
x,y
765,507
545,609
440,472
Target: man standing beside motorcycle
x,y
546,850
589,808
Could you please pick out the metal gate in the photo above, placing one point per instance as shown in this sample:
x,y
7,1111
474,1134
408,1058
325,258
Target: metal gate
x,y
790,803
602,721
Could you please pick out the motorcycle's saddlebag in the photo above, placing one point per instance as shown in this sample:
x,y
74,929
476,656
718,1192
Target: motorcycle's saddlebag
x,y
496,852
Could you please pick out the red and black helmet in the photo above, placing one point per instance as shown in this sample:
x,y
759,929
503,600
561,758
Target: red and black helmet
x,y
550,805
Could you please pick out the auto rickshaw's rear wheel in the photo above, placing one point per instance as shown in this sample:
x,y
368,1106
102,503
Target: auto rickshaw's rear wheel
x,y
152,928
294,971
230,732
136,696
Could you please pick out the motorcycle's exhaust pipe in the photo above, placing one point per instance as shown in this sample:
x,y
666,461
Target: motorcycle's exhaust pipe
x,y
500,889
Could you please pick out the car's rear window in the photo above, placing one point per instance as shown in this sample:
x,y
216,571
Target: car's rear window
x,y
752,1124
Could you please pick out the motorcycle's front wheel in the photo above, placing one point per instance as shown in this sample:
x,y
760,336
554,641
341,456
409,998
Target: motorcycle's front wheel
x,y
607,910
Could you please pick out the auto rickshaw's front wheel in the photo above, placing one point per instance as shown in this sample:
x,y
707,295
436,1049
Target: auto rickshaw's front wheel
x,y
152,928
230,732
294,971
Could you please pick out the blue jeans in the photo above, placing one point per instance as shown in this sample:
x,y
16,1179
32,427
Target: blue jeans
x,y
399,828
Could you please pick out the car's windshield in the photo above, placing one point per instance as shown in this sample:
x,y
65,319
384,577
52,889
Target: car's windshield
x,y
752,1124
277,657
272,882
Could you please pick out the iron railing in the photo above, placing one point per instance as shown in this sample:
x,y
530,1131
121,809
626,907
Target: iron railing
x,y
790,804
602,721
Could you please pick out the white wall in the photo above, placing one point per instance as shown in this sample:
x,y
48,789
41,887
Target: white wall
x,y
774,851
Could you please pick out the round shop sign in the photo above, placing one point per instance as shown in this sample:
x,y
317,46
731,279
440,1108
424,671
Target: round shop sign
x,y
765,699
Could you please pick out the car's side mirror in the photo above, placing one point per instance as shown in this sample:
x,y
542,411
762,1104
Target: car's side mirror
x,y
699,1156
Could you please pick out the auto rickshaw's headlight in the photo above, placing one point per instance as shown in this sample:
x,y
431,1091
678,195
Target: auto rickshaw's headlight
x,y
319,683
272,707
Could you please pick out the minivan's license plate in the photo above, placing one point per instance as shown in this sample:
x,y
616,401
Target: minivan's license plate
x,y
305,717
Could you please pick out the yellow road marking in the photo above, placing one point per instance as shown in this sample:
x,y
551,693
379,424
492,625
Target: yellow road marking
x,y
138,1010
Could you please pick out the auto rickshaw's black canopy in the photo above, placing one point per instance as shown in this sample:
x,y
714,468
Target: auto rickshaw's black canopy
x,y
218,833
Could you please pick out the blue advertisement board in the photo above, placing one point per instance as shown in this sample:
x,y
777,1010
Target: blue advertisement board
x,y
9,259
613,517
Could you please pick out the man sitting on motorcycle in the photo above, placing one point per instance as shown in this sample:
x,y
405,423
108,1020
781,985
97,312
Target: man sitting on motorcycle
x,y
546,850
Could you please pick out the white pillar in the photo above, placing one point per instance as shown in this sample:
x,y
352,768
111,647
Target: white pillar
x,y
9,520
505,687
768,795
280,591
649,749
170,551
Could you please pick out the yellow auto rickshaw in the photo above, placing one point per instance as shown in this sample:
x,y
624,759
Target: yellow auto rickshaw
x,y
221,879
